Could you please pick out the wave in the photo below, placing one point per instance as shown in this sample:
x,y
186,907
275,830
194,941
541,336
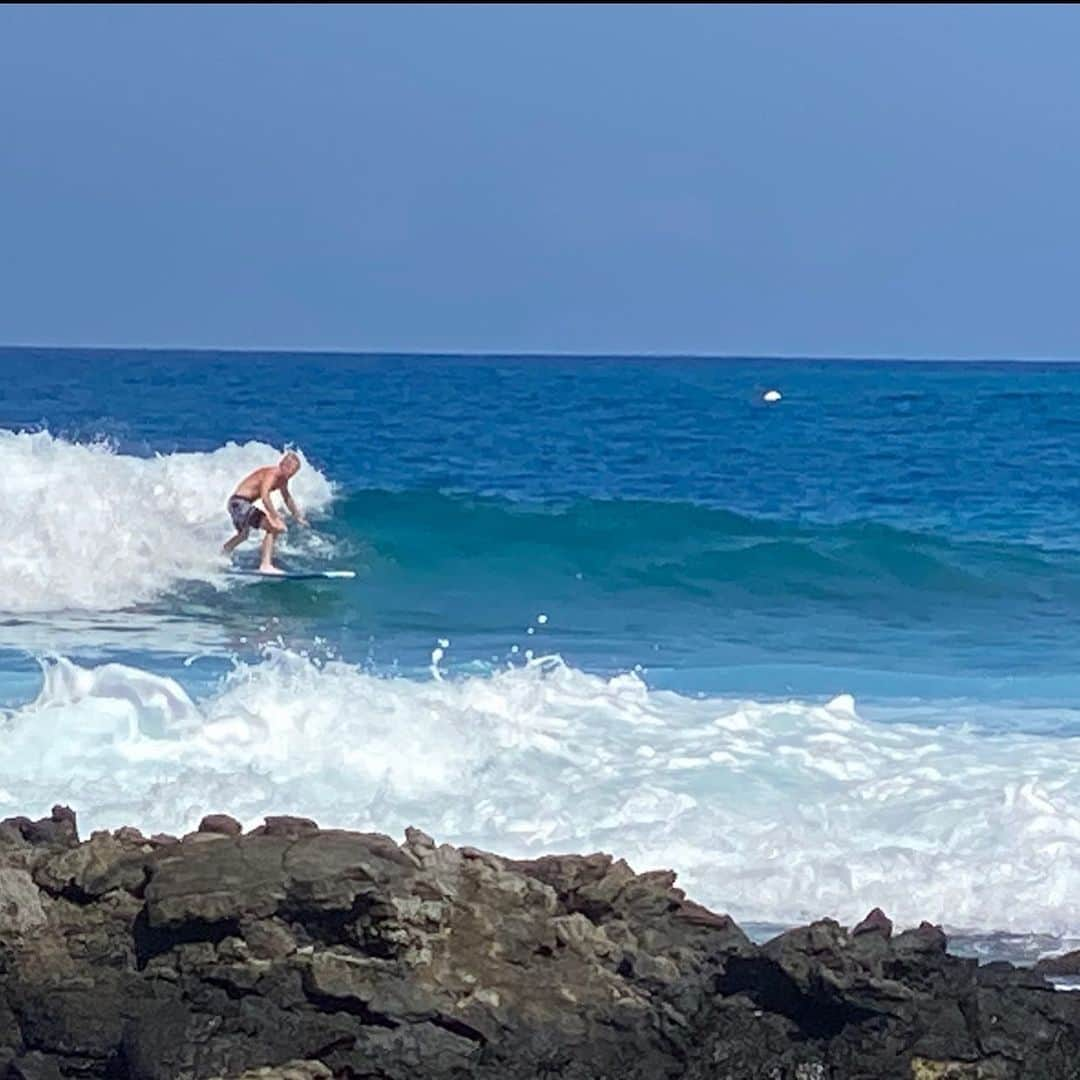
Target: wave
x,y
776,812
92,529
695,550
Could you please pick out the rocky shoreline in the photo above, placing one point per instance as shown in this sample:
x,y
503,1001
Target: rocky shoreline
x,y
302,953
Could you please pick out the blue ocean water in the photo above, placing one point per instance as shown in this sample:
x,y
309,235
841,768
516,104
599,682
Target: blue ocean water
x,y
912,525
904,532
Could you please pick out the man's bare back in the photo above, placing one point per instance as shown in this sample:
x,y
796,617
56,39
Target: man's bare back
x,y
260,485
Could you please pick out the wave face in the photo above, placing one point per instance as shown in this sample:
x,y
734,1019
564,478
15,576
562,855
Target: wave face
x,y
700,551
775,811
688,587
94,530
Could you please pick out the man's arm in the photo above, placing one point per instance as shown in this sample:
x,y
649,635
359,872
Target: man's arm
x,y
266,489
293,508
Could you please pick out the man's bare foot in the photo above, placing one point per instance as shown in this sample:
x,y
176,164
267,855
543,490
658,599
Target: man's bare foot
x,y
270,570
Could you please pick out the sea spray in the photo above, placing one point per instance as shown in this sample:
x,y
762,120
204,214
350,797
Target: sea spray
x,y
773,811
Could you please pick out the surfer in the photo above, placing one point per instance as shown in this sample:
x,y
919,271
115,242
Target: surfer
x,y
247,516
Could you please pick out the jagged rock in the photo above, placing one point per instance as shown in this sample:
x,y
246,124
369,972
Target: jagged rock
x,y
294,953
102,863
220,823
877,922
34,1066
21,909
285,825
924,1069
418,843
57,829
293,1070
268,939
1066,964
129,835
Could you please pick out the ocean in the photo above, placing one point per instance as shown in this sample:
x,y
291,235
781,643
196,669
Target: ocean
x,y
817,656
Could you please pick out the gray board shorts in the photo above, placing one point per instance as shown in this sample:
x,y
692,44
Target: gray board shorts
x,y
245,514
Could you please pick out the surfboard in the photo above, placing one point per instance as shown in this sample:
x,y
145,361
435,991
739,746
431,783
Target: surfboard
x,y
303,575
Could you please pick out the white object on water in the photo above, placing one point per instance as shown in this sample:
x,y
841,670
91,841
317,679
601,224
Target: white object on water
x,y
771,396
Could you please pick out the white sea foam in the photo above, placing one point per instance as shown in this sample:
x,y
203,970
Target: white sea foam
x,y
776,812
90,529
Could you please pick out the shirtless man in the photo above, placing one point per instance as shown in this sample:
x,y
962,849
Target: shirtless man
x,y
247,516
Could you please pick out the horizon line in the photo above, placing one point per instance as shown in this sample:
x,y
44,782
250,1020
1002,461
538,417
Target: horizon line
x,y
278,350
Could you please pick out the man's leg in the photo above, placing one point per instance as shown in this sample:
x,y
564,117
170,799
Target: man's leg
x,y
239,538
266,566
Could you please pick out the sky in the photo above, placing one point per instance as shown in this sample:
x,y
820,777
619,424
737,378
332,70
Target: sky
x,y
831,181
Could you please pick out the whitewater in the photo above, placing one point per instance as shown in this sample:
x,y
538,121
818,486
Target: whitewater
x,y
771,811
97,530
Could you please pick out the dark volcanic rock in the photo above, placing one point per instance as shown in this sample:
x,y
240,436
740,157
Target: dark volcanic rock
x,y
57,829
1066,964
220,823
286,825
294,953
877,922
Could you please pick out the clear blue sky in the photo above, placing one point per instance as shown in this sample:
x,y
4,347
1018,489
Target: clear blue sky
x,y
804,180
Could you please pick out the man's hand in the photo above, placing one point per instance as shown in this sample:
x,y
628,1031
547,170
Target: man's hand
x,y
293,508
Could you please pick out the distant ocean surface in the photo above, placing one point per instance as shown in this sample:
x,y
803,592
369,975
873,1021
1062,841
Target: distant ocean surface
x,y
816,656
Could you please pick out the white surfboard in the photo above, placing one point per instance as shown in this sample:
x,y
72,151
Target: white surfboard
x,y
300,575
